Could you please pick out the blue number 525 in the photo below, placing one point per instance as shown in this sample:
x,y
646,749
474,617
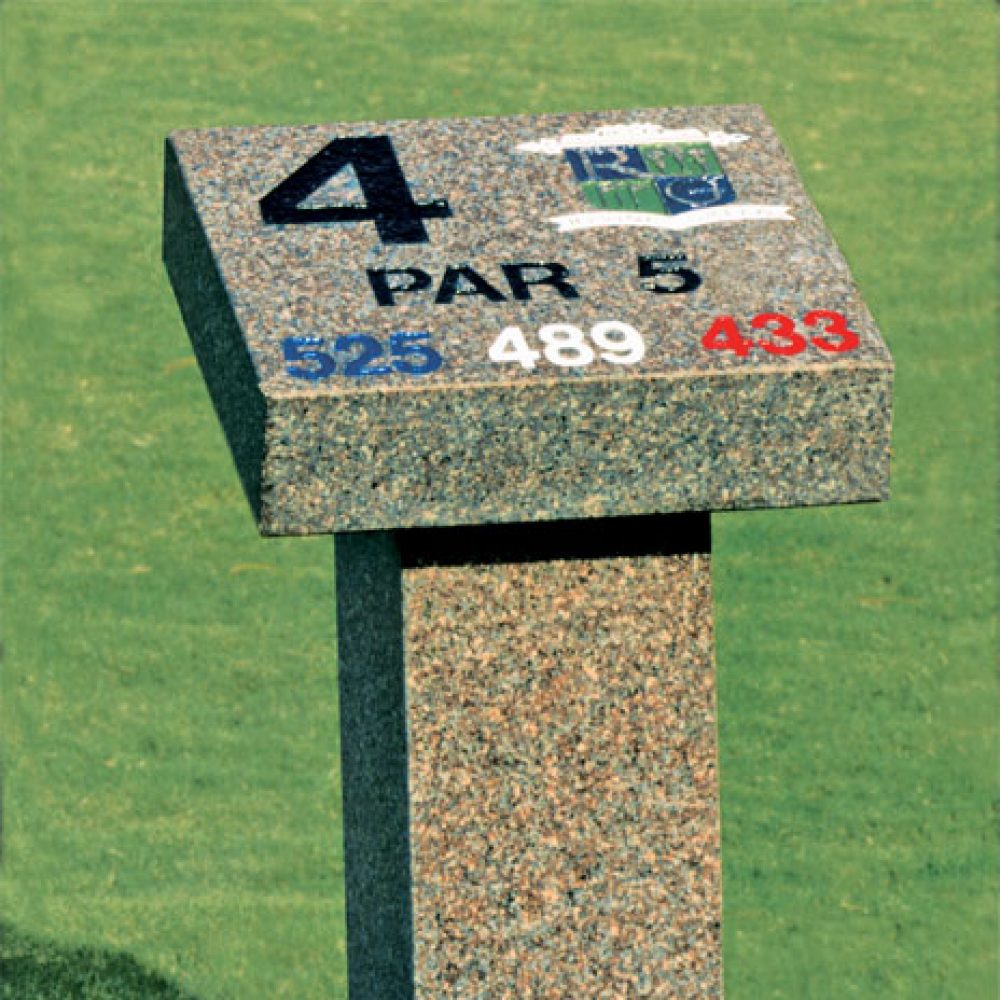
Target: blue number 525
x,y
361,356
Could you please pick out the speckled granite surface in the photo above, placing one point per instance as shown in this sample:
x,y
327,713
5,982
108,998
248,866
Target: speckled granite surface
x,y
681,428
559,738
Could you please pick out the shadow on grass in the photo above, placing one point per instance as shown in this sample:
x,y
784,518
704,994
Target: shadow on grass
x,y
38,970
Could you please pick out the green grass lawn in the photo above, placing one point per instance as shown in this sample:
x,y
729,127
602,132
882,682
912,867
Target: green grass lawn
x,y
169,699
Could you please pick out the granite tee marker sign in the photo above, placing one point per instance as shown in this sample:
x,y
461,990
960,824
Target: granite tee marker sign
x,y
512,363
520,319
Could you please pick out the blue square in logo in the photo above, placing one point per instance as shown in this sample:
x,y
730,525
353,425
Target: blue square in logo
x,y
607,163
685,194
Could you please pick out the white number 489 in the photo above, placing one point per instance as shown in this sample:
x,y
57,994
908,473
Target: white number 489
x,y
565,345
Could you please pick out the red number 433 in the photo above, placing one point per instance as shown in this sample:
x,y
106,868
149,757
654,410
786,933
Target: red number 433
x,y
781,337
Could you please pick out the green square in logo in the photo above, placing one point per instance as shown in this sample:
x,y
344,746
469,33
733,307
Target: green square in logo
x,y
683,160
623,196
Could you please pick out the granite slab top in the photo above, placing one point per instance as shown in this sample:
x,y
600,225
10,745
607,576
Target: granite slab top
x,y
524,318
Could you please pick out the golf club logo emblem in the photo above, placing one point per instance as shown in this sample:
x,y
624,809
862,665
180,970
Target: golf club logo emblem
x,y
642,175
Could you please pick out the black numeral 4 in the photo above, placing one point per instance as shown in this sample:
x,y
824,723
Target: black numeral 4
x,y
389,203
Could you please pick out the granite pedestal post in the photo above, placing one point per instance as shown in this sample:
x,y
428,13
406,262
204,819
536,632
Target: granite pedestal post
x,y
512,364
529,760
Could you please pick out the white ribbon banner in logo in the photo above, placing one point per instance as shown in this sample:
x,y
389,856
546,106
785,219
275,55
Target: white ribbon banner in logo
x,y
684,220
635,134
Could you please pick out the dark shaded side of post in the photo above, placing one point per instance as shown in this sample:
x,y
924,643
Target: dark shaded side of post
x,y
374,767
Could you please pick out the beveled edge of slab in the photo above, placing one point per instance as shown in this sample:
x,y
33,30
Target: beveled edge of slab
x,y
548,452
